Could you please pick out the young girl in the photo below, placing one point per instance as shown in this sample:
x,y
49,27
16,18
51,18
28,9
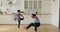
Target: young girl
x,y
36,22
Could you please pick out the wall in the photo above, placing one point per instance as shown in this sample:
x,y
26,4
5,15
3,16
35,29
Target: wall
x,y
14,7
45,7
9,19
55,13
45,18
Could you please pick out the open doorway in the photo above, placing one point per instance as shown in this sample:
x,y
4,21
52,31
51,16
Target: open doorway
x,y
59,17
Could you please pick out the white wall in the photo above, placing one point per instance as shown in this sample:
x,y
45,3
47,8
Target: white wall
x,y
45,8
18,5
9,19
44,19
46,5
55,13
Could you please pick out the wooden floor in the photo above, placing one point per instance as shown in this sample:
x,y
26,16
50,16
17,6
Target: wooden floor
x,y
42,28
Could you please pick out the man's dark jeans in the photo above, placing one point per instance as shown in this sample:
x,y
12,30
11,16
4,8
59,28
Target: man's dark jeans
x,y
33,24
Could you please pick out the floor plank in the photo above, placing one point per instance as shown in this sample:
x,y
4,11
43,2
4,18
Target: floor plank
x,y
42,28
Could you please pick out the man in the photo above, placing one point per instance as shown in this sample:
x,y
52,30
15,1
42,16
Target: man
x,y
35,24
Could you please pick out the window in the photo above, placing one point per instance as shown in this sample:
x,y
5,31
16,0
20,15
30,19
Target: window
x,y
32,4
39,4
26,4
35,5
0,2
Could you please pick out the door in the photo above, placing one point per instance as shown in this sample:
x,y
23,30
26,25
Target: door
x,y
59,17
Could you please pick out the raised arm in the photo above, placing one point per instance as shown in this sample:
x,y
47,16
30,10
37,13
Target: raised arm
x,y
22,15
